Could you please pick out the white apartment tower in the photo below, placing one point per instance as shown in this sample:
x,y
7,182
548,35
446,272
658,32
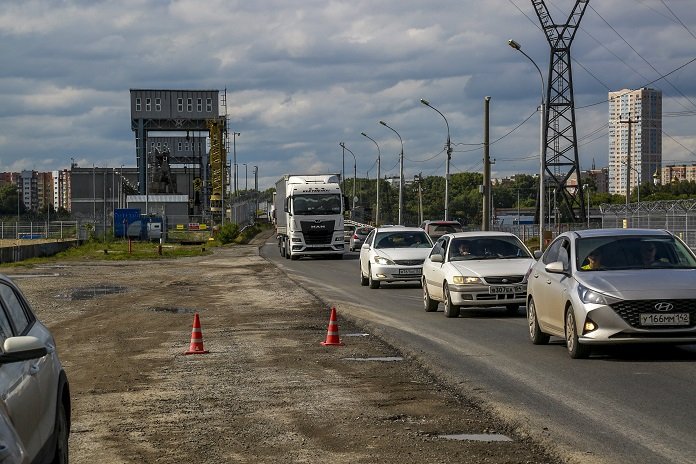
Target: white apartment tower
x,y
636,114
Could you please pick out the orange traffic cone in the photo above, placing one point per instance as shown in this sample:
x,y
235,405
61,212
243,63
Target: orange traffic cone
x,y
332,333
196,346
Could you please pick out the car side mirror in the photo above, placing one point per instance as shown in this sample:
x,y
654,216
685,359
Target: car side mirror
x,y
556,267
537,254
436,258
22,348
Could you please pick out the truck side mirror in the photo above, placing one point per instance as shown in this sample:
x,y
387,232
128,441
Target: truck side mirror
x,y
286,205
346,203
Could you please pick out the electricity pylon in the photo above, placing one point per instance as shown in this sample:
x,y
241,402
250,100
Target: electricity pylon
x,y
560,157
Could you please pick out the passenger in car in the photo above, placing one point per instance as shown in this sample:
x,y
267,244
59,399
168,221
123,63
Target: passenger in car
x,y
648,253
594,260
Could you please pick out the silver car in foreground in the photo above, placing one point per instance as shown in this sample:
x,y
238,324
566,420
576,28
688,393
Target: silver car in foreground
x,y
613,286
476,269
34,391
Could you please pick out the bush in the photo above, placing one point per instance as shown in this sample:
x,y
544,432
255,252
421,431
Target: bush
x,y
228,233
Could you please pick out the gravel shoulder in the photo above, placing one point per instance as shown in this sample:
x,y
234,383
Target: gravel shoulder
x,y
268,391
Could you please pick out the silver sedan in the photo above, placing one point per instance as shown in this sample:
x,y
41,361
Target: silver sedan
x,y
613,286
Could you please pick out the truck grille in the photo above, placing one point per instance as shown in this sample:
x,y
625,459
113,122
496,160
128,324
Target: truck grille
x,y
317,233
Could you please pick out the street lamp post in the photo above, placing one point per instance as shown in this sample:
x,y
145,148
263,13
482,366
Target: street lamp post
x,y
379,175
401,173
355,176
542,159
449,157
246,179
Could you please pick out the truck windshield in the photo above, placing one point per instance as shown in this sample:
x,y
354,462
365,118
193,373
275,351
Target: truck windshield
x,y
316,204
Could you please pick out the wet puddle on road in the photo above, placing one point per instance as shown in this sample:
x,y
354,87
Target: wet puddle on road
x,y
476,437
173,310
379,359
87,293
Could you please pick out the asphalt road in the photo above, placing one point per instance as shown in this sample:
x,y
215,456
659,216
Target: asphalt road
x,y
624,404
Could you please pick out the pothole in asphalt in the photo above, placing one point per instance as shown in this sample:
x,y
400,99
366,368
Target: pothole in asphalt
x,y
378,359
171,309
476,437
87,293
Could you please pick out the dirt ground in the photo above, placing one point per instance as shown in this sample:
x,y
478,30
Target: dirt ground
x,y
267,392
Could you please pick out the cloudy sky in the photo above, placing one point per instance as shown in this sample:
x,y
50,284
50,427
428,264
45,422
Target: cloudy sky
x,y
303,76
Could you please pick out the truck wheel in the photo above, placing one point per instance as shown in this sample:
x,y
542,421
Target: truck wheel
x,y
281,249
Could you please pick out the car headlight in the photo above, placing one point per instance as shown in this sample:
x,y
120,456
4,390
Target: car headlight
x,y
382,260
464,280
589,296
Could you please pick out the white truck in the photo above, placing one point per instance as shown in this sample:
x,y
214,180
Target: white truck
x,y
309,216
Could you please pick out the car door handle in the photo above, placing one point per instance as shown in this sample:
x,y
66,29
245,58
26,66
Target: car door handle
x,y
548,281
34,369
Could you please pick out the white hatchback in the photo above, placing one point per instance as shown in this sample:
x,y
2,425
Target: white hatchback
x,y
393,254
34,391
476,269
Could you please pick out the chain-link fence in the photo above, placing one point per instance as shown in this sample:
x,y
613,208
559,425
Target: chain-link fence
x,y
677,216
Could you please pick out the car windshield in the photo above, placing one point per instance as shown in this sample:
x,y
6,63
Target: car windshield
x,y
316,204
632,252
402,239
487,248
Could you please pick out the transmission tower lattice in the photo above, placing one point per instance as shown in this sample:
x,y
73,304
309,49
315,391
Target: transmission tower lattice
x,y
560,145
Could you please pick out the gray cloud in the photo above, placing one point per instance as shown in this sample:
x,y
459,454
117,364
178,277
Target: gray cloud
x,y
303,76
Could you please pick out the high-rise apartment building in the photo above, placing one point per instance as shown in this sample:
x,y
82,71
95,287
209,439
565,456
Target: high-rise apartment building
x,y
635,125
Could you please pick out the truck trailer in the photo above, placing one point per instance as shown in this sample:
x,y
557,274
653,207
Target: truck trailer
x,y
308,213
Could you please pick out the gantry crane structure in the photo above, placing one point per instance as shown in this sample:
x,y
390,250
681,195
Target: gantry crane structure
x,y
560,157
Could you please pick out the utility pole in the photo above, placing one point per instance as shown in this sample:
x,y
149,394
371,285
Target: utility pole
x,y
630,123
486,169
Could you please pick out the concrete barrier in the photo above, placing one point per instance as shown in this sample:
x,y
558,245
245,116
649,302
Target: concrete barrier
x,y
22,251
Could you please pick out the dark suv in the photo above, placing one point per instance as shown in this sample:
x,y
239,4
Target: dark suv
x,y
437,229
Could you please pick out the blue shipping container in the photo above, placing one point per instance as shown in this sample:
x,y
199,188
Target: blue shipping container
x,y
123,217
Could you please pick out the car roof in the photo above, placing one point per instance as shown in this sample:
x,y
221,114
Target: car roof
x,y
441,222
479,234
398,228
589,233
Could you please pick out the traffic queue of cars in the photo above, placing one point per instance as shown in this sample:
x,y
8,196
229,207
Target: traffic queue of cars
x,y
34,392
589,287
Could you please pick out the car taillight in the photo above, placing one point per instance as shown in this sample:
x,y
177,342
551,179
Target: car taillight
x,y
355,236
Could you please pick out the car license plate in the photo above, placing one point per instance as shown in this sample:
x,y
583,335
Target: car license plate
x,y
414,271
664,319
506,289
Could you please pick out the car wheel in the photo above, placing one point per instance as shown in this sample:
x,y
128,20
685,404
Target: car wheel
x,y
450,309
363,280
576,350
535,334
372,283
294,257
512,309
62,435
429,304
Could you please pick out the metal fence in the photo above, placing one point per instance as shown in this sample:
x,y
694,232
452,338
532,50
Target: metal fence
x,y
676,216
54,230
